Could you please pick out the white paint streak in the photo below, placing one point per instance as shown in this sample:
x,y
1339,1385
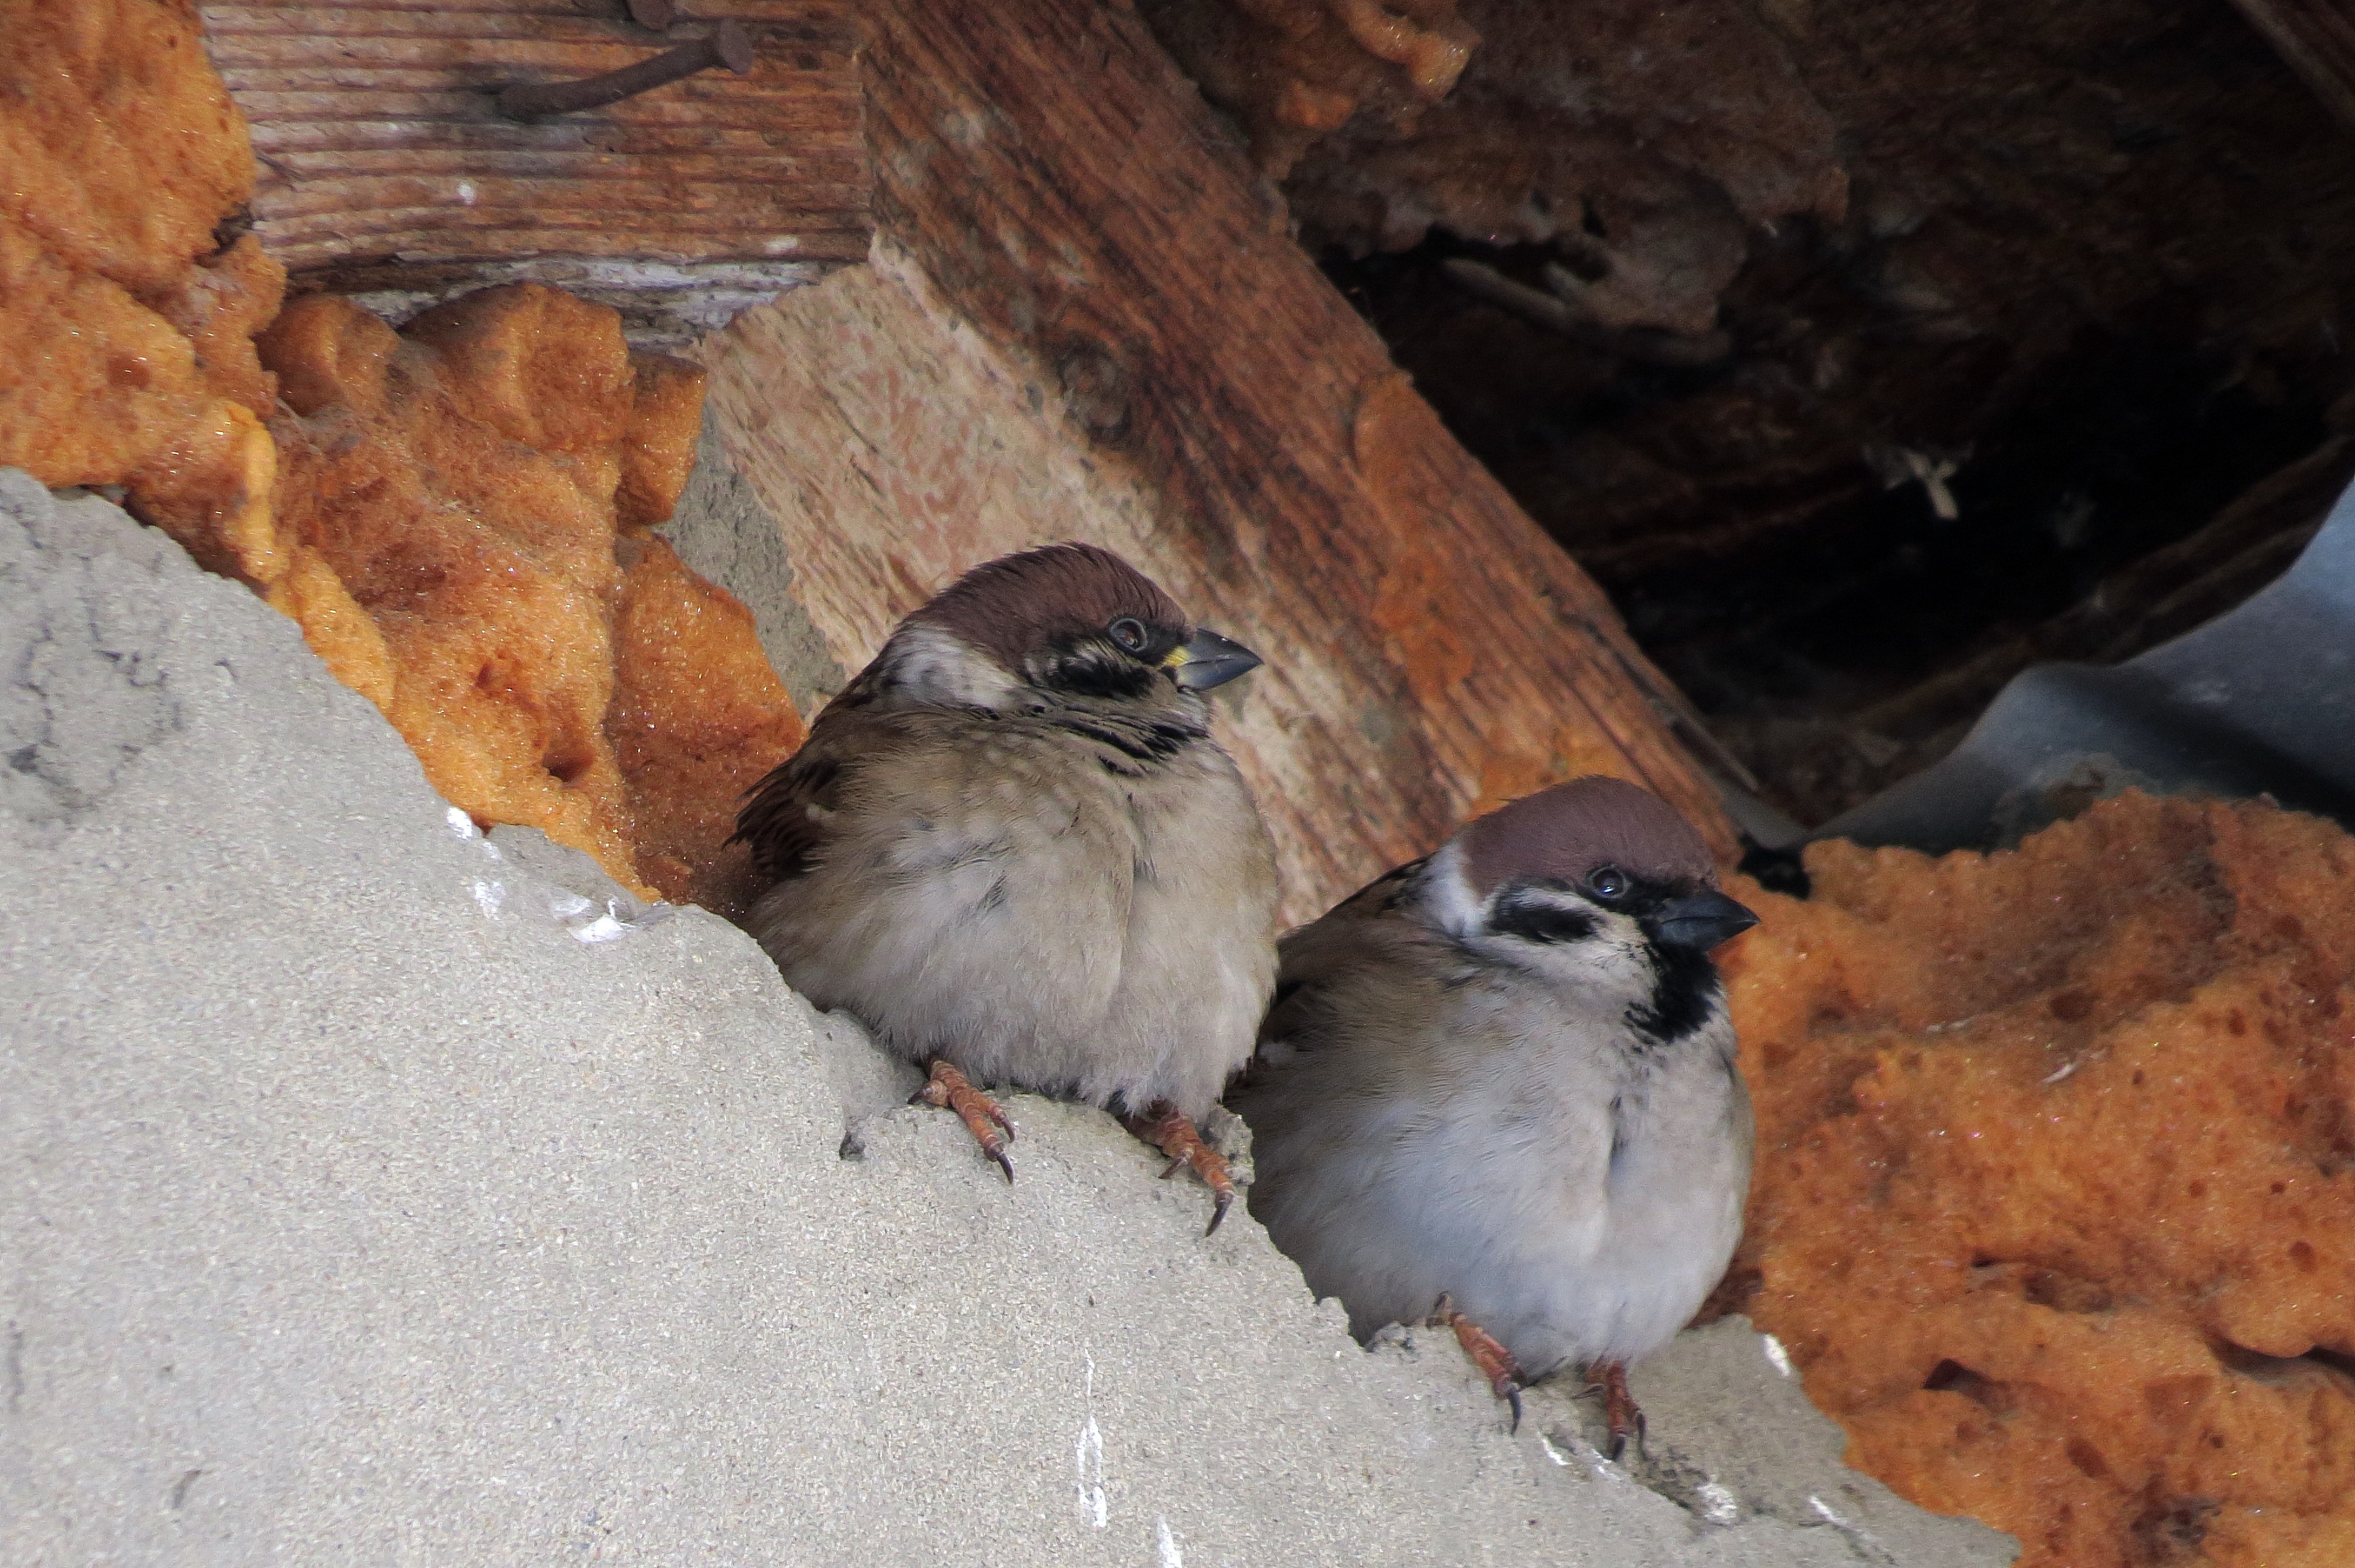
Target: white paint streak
x,y
612,924
2064,1071
1087,1457
1855,1532
1779,1358
1597,1465
1718,1505
461,824
1170,1556
604,928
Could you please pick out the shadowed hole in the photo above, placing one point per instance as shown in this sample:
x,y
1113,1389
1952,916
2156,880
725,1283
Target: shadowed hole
x,y
566,761
1950,1376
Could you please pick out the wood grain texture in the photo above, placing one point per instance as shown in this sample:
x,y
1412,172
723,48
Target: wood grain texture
x,y
380,145
1083,320
1430,653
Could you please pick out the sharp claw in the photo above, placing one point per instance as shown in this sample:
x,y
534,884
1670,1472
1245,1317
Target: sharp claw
x,y
1180,1139
1621,1414
951,1090
1494,1361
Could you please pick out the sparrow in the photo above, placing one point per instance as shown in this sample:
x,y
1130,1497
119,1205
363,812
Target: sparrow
x,y
1013,848
1497,1091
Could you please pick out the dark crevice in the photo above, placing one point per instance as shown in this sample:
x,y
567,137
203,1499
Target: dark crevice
x,y
2090,307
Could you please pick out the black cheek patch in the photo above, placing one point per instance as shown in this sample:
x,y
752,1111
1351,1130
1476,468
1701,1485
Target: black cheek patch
x,y
1537,920
1684,992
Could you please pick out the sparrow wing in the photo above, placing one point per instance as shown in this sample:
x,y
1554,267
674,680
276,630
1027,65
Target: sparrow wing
x,y
789,816
1328,967
1329,952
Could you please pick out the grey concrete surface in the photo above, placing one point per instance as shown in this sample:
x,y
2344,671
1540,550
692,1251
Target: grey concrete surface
x,y
721,531
378,1192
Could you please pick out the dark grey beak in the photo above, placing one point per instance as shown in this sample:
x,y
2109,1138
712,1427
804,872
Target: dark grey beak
x,y
1702,920
1209,659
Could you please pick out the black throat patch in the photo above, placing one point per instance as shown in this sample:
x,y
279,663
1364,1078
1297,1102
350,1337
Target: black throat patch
x,y
1684,992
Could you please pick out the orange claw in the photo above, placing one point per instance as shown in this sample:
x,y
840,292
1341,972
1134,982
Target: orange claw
x,y
1175,1136
951,1090
1621,1415
1496,1362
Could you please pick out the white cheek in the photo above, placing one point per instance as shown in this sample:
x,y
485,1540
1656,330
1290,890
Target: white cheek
x,y
930,665
1613,960
1448,892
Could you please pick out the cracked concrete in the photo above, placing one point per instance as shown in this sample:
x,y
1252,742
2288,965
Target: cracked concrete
x,y
376,1190
83,695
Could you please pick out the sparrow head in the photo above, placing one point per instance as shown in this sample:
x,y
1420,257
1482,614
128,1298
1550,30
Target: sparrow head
x,y
1071,622
1595,881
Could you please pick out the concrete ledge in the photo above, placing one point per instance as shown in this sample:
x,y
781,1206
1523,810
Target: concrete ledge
x,y
374,1191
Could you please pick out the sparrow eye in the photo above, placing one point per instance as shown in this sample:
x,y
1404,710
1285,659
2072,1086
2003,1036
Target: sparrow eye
x,y
1129,632
1607,881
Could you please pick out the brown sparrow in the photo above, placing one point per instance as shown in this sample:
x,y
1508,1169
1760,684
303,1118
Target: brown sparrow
x,y
1013,849
1498,1085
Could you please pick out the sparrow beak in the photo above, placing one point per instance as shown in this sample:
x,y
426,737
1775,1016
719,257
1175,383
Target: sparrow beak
x,y
1701,920
1211,660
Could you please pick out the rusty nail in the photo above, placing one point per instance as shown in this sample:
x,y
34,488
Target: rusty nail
x,y
728,46
653,16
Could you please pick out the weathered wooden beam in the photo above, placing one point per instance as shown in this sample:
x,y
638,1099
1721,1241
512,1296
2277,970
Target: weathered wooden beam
x,y
389,174
1119,311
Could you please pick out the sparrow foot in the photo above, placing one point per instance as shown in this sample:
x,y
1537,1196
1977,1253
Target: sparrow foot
x,y
951,1090
1622,1417
1496,1362
1175,1136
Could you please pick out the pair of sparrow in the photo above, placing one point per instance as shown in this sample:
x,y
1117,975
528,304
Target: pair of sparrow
x,y
1495,1088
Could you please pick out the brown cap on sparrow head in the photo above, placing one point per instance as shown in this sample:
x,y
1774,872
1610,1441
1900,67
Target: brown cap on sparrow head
x,y
1498,1083
1076,618
1013,848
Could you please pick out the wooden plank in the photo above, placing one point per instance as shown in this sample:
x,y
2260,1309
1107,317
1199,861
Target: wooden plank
x,y
1088,321
1071,196
381,147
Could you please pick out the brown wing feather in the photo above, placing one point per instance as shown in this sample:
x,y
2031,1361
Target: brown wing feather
x,y
1328,952
788,816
